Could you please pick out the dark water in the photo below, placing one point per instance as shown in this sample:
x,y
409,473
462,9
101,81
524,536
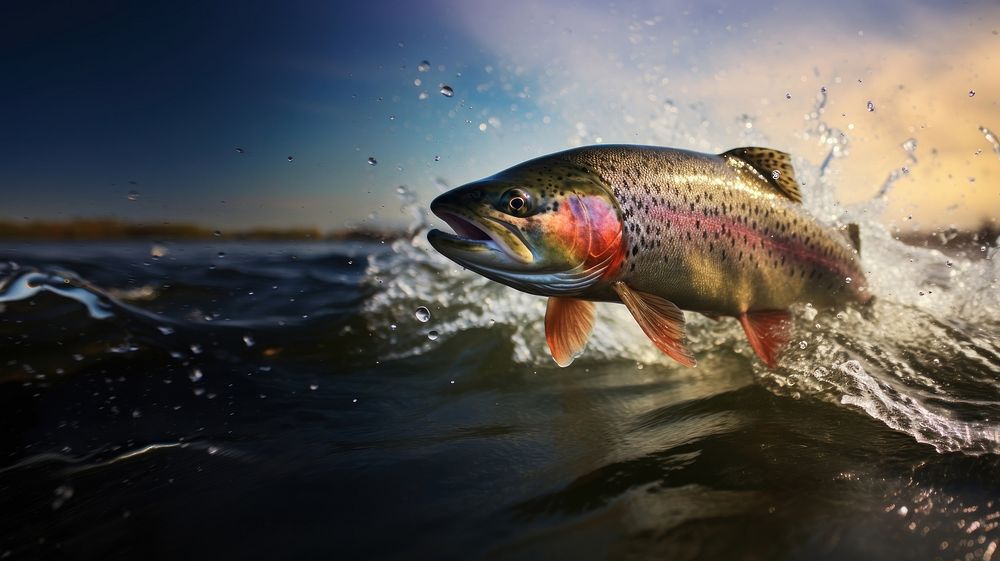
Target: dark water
x,y
284,401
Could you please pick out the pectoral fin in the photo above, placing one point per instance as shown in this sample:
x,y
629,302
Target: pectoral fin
x,y
568,323
660,320
768,333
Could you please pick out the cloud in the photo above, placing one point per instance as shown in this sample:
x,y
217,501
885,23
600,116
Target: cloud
x,y
666,74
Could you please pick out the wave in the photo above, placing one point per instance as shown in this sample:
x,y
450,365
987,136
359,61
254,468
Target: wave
x,y
923,359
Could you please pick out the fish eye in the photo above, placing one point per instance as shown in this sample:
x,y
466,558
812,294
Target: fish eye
x,y
517,202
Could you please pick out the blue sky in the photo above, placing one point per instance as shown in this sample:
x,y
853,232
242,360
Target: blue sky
x,y
105,94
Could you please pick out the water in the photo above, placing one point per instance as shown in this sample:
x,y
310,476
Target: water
x,y
219,399
136,412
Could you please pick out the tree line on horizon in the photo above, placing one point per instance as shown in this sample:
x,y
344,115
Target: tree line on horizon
x,y
113,229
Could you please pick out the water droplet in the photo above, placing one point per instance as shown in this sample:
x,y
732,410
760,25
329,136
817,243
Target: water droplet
x,y
217,233
423,314
422,96
240,150
313,387
213,450
871,106
775,174
392,326
221,254
848,280
372,161
196,375
136,413
446,90
63,493
290,158
788,95
492,322
803,344
972,93
948,263
248,341
424,66
905,170
196,349
432,335
132,195
417,82
822,89
165,330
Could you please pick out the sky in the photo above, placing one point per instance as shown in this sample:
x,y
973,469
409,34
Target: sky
x,y
137,110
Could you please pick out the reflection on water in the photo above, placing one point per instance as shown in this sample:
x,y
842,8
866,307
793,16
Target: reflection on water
x,y
372,400
335,433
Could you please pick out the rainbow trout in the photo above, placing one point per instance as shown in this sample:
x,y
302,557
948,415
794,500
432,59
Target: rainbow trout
x,y
658,230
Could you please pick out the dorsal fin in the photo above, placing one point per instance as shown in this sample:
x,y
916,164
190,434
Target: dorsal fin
x,y
854,234
767,161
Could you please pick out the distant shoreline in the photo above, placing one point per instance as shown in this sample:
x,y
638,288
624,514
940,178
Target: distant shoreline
x,y
110,230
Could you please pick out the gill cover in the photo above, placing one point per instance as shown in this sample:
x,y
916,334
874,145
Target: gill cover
x,y
546,227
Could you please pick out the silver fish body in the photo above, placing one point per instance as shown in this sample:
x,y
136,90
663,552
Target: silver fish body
x,y
711,234
658,230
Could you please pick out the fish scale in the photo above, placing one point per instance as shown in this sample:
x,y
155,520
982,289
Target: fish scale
x,y
658,230
716,237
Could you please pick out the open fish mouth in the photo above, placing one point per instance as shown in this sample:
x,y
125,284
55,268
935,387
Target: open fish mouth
x,y
479,241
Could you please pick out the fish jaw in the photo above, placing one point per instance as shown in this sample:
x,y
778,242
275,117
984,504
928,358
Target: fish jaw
x,y
560,240
479,240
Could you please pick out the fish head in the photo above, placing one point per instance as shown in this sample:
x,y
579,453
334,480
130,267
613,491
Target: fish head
x,y
550,229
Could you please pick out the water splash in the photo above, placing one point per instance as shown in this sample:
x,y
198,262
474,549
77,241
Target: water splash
x,y
27,283
926,346
992,138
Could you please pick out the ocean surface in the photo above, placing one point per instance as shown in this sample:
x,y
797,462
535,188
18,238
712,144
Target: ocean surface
x,y
225,400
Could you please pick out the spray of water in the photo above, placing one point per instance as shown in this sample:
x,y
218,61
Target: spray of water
x,y
918,356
